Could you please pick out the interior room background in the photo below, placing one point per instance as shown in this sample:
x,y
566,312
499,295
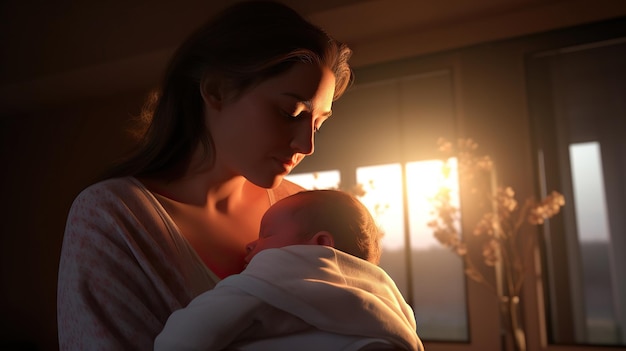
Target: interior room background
x,y
539,84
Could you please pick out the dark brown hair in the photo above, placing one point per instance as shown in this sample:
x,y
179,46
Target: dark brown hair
x,y
242,46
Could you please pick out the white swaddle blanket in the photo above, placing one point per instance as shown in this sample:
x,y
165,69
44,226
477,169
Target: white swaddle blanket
x,y
294,297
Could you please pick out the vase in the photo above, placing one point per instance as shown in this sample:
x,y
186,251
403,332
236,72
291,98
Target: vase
x,y
513,334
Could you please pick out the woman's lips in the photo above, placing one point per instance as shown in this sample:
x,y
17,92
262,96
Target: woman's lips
x,y
286,164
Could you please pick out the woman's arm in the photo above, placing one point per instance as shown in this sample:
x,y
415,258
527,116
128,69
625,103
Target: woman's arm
x,y
116,287
211,321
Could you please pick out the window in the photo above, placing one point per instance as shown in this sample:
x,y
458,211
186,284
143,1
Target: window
x,y
577,98
541,122
600,321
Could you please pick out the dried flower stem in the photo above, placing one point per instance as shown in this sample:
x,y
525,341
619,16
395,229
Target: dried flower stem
x,y
499,228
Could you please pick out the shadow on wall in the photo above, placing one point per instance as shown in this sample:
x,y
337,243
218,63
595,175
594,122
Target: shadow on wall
x,y
48,156
18,346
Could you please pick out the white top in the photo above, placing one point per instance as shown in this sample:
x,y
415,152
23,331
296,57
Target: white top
x,y
124,269
351,303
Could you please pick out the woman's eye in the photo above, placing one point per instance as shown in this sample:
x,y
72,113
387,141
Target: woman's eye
x,y
294,111
294,115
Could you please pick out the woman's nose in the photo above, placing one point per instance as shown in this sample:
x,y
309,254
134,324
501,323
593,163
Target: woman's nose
x,y
303,139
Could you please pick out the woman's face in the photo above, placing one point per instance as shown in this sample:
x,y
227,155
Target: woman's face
x,y
269,129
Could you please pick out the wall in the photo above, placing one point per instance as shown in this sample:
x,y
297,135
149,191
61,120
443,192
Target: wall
x,y
48,155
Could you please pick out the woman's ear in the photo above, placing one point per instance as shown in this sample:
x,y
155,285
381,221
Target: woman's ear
x,y
322,238
210,98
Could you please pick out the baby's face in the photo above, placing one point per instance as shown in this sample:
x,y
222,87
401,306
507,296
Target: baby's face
x,y
278,228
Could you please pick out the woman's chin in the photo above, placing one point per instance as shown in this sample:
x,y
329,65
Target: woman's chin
x,y
268,183
276,182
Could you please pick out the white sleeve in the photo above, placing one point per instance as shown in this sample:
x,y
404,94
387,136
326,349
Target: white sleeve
x,y
212,321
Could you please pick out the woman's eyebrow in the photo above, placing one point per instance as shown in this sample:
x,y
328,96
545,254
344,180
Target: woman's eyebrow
x,y
307,103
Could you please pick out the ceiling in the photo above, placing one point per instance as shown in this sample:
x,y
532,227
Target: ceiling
x,y
43,37
73,47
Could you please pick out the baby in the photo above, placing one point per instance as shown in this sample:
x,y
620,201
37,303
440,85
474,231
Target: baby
x,y
311,283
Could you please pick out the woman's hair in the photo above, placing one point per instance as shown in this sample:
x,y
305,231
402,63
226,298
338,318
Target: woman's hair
x,y
241,47
350,223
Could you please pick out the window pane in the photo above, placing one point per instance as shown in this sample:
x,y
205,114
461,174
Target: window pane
x,y
383,197
440,304
430,276
578,110
593,236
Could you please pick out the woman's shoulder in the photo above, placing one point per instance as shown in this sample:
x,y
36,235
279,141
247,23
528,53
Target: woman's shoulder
x,y
112,185
113,190
116,203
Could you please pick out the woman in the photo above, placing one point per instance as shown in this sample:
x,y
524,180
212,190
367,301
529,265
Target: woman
x,y
238,109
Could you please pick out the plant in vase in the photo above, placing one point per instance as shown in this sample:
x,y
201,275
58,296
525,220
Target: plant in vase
x,y
497,234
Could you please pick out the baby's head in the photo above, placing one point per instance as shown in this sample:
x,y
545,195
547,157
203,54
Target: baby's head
x,y
320,217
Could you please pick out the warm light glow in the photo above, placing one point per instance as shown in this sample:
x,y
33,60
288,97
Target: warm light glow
x,y
317,180
383,197
424,180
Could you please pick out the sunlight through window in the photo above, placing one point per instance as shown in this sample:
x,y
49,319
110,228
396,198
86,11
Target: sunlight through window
x,y
316,180
383,197
424,180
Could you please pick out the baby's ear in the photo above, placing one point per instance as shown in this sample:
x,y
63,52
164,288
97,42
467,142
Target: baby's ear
x,y
323,238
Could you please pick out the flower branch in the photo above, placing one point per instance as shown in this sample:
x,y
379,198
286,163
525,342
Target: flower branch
x,y
499,228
